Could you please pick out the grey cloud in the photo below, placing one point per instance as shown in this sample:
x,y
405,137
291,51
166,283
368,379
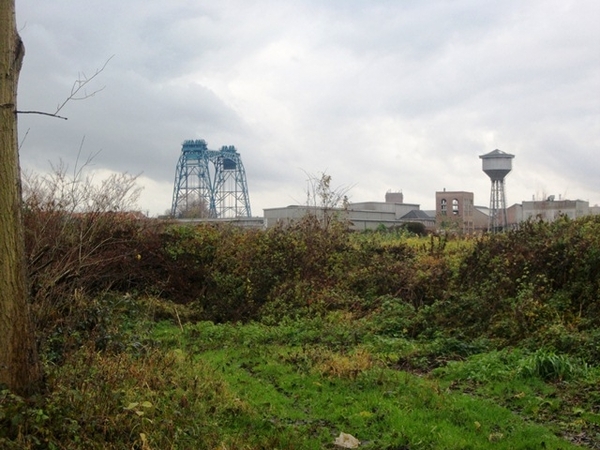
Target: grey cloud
x,y
380,94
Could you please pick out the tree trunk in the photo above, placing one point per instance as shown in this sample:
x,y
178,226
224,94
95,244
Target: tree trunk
x,y
19,364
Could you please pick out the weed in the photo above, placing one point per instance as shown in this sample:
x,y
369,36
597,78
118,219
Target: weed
x,y
550,366
346,366
494,366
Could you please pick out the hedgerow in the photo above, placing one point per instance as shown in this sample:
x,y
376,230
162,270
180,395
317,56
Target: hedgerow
x,y
537,285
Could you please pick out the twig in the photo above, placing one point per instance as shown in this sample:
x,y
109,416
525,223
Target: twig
x,y
178,319
24,137
80,83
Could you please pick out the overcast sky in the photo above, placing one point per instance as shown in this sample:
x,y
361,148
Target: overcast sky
x,y
400,95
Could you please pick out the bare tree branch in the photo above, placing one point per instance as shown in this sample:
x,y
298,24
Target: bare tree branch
x,y
78,92
323,199
42,113
24,137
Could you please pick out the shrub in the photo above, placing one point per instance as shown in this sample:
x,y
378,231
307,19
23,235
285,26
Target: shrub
x,y
80,238
393,317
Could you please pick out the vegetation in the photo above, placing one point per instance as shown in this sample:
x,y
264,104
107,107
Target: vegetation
x,y
156,335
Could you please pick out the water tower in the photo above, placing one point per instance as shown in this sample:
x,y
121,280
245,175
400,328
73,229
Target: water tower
x,y
497,164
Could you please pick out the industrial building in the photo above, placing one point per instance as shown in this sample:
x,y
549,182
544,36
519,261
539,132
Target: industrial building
x,y
549,209
360,216
455,212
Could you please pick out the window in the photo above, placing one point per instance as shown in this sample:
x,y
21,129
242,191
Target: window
x,y
455,207
443,206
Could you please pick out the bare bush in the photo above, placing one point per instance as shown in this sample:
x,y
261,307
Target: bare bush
x,y
327,203
78,193
194,210
78,234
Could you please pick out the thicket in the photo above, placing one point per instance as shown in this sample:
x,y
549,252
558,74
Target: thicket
x,y
535,286
538,285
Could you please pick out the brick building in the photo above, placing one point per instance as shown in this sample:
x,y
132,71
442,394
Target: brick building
x,y
454,211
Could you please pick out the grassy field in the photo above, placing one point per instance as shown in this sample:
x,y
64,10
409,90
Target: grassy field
x,y
312,380
298,385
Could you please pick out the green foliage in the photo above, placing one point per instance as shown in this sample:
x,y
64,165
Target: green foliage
x,y
102,401
294,380
518,287
417,228
560,257
511,364
79,236
394,317
550,366
295,384
103,321
488,367
543,386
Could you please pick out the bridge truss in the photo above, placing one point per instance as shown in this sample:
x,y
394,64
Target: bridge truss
x,y
210,183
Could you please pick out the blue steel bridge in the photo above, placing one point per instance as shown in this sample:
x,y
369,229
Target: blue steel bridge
x,y
210,183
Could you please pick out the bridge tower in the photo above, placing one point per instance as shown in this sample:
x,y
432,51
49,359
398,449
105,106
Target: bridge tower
x,y
209,183
192,194
230,188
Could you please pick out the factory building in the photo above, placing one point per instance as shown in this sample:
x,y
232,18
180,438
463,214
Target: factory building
x,y
548,210
360,216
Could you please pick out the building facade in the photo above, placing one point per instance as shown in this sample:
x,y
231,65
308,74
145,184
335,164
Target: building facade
x,y
454,211
394,197
550,209
359,216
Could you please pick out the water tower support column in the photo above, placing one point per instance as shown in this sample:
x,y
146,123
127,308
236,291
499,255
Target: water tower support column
x,y
498,218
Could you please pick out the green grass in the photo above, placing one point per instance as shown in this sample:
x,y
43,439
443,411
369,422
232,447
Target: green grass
x,y
316,391
404,342
298,385
381,407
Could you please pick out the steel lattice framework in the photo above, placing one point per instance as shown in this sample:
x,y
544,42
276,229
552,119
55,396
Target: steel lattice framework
x,y
498,219
210,183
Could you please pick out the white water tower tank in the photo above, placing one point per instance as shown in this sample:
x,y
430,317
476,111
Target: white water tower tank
x,y
497,164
